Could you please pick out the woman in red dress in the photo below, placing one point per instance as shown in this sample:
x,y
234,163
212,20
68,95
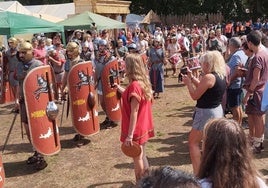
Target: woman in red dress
x,y
137,120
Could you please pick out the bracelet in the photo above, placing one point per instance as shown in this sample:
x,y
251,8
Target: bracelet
x,y
129,137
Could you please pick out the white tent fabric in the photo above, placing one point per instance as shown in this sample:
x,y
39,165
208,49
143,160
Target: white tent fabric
x,y
61,11
133,19
47,17
15,6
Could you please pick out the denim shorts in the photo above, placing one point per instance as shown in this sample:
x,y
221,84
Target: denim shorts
x,y
202,115
234,97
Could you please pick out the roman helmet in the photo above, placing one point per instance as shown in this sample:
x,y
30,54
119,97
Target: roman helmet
x,y
102,42
132,46
14,41
119,41
158,39
73,47
25,46
25,53
102,45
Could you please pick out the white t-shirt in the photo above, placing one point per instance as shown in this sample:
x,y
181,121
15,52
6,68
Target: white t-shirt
x,y
223,40
142,46
172,48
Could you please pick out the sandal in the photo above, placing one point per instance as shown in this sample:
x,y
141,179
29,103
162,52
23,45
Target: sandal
x,y
105,122
41,164
33,159
15,110
111,125
80,143
78,137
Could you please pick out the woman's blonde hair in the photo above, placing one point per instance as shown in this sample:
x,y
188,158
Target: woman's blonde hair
x,y
215,61
135,70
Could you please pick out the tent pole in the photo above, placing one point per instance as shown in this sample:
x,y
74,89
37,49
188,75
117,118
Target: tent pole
x,y
63,38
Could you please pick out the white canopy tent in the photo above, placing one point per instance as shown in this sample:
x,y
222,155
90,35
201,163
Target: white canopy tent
x,y
134,19
14,6
45,12
60,11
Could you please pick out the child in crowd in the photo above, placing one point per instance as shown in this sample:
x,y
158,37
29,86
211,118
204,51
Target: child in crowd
x,y
226,158
137,120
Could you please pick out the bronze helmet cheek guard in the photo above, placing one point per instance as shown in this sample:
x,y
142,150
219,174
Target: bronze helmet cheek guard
x,y
73,47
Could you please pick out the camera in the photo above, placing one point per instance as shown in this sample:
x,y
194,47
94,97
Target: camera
x,y
184,70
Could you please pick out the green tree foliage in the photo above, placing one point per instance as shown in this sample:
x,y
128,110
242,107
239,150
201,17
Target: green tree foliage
x,y
165,7
230,9
257,8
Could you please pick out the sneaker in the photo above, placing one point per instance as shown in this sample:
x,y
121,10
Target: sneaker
x,y
33,159
41,164
257,150
245,125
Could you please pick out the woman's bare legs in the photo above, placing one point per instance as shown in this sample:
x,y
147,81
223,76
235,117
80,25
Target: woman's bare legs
x,y
195,139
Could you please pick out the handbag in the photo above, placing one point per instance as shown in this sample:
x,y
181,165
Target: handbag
x,y
264,102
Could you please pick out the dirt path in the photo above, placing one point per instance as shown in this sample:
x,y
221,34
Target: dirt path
x,y
101,162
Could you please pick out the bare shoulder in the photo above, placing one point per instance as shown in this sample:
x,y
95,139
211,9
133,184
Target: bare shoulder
x,y
208,80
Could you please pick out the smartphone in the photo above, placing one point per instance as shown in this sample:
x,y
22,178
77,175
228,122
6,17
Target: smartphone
x,y
251,100
111,79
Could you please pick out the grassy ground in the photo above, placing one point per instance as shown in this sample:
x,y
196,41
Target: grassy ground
x,y
101,163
